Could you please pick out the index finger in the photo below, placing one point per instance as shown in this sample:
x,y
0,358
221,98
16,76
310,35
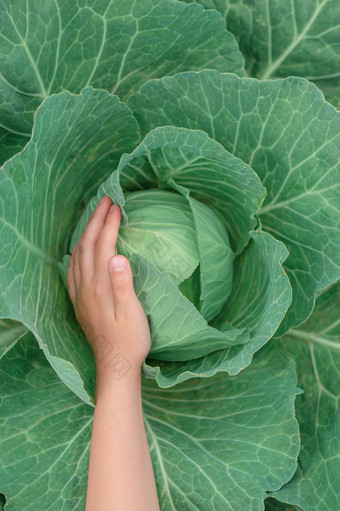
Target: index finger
x,y
91,235
106,245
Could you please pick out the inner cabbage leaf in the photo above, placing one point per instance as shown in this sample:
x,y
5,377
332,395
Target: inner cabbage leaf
x,y
184,238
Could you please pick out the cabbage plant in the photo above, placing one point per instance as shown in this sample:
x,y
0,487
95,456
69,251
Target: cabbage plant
x,y
230,194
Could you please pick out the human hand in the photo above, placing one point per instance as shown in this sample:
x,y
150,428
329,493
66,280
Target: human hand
x,y
101,289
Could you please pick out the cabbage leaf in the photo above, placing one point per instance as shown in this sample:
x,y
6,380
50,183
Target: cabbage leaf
x,y
233,438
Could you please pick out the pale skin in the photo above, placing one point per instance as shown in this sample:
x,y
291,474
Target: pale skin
x,y
101,289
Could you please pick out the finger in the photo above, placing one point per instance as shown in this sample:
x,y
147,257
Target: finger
x,y
106,245
76,267
70,281
122,284
90,236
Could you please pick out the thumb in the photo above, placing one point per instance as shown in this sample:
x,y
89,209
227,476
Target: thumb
x,y
121,282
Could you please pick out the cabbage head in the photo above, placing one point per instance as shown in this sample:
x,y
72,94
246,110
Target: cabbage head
x,y
191,235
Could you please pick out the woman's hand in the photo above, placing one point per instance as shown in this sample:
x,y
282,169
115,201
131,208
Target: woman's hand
x,y
101,290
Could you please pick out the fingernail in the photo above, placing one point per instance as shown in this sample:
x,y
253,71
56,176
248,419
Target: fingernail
x,y
113,208
103,199
117,263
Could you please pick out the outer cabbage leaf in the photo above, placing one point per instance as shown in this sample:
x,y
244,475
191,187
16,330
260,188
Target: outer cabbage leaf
x,y
48,46
315,347
75,143
45,440
168,154
216,444
291,137
280,39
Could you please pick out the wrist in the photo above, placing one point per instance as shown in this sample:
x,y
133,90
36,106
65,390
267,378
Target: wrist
x,y
116,367
109,383
111,361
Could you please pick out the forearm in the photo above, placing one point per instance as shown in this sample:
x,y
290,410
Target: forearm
x,y
120,473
